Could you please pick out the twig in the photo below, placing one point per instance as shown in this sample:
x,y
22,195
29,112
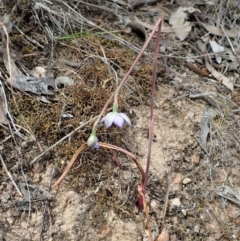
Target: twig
x,y
167,194
10,176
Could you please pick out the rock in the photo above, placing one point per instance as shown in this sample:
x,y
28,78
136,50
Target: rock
x,y
36,237
58,222
175,202
186,180
175,221
164,236
220,175
178,157
147,198
53,229
5,196
195,159
154,204
173,237
233,213
196,228
190,114
237,221
24,144
177,178
184,212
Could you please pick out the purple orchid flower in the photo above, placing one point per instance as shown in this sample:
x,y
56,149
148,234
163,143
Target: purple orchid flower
x,y
117,118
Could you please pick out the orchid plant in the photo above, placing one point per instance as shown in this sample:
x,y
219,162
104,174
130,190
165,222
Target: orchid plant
x,y
119,118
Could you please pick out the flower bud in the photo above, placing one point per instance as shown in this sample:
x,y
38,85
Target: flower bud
x,y
93,141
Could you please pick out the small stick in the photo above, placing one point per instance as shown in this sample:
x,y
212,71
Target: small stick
x,y
10,176
167,194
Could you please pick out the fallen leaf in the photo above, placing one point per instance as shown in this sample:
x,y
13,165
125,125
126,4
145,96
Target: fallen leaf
x,y
219,76
179,23
202,134
164,29
34,85
217,31
36,192
216,48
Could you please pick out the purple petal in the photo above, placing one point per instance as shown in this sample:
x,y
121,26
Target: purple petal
x,y
109,118
125,117
118,121
102,120
96,146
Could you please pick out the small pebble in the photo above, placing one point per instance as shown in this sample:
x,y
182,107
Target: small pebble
x,y
195,159
196,229
54,229
177,178
186,180
176,202
237,221
184,211
154,204
190,114
177,157
24,144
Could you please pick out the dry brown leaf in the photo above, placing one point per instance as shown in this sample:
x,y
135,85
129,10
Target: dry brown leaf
x,y
179,22
217,31
220,77
164,29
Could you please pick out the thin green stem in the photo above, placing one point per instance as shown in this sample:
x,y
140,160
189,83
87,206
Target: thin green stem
x,y
157,26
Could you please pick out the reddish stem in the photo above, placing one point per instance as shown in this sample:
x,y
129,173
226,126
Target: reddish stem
x,y
154,75
156,51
